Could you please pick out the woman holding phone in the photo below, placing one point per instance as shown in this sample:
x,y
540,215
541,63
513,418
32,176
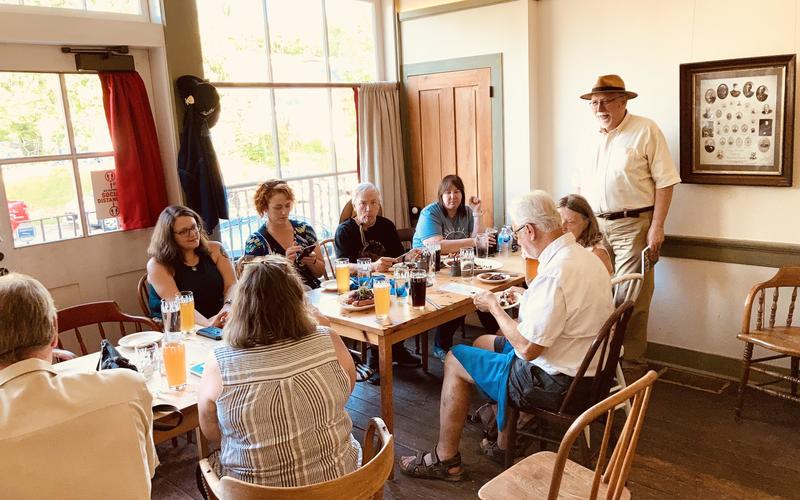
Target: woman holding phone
x,y
282,235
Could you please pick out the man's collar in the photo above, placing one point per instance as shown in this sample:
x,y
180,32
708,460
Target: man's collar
x,y
552,249
22,367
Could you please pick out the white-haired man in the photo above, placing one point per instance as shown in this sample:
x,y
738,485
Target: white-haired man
x,y
369,235
533,362
76,435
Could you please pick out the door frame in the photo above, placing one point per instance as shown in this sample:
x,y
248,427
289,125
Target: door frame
x,y
495,64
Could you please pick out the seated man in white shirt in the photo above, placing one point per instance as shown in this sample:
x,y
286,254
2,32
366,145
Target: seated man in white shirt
x,y
533,362
65,435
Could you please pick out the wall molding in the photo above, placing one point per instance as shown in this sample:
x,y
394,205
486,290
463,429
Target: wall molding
x,y
745,252
446,8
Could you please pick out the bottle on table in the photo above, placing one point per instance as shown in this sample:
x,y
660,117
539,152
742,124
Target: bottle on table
x,y
504,241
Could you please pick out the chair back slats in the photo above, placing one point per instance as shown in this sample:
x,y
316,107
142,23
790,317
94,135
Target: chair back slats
x,y
774,308
328,253
96,314
609,344
791,307
760,312
786,277
626,287
619,465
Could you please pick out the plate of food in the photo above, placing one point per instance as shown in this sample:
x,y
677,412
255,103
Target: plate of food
x,y
358,300
134,340
329,286
482,264
492,277
508,299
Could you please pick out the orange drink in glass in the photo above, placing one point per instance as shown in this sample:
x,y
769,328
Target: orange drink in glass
x,y
342,275
380,289
174,354
186,300
531,268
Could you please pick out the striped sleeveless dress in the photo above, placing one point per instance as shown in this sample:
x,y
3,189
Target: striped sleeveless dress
x,y
282,413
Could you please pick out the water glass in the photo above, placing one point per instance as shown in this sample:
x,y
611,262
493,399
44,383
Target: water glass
x,y
467,256
401,277
482,245
147,359
364,271
171,314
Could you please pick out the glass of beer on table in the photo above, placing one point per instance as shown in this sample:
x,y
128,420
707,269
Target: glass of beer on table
x,y
380,290
531,267
342,275
186,301
419,281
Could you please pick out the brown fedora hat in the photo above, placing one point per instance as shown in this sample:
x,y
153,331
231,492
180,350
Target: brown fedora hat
x,y
607,84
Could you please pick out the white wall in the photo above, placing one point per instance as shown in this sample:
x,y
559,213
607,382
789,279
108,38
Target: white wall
x,y
698,305
500,28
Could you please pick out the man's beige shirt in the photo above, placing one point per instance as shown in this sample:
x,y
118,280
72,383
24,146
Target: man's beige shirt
x,y
623,168
77,435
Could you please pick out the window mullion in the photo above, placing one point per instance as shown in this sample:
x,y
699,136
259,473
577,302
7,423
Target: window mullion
x,y
271,95
73,158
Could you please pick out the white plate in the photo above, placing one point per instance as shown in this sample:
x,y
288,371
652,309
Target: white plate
x,y
348,307
483,277
134,340
515,304
487,264
329,286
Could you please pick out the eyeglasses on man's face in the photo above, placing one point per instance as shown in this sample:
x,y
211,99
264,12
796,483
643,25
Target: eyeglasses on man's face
x,y
183,233
520,228
596,103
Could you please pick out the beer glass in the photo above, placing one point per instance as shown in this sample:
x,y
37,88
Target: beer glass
x,y
467,256
419,279
364,271
186,301
342,275
482,245
380,289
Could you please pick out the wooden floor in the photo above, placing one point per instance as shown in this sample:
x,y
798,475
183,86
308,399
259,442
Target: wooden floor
x,y
690,448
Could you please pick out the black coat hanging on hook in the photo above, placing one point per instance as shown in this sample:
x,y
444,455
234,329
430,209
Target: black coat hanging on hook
x,y
198,168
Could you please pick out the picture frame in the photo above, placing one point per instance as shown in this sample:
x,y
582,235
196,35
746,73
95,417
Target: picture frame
x,y
737,121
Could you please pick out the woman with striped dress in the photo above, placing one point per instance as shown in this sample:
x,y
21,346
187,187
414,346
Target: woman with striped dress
x,y
274,393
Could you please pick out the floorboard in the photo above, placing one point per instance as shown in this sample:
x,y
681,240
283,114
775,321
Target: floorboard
x,y
690,448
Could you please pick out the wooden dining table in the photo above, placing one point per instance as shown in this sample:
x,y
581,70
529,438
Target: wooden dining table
x,y
405,321
197,350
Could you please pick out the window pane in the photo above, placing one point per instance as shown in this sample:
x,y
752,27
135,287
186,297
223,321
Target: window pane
x,y
119,6
304,132
88,116
232,39
32,119
86,167
296,41
63,4
351,40
46,191
243,136
344,129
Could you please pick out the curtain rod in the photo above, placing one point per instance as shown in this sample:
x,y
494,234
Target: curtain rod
x,y
269,85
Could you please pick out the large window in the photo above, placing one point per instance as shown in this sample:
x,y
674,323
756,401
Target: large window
x,y
53,135
134,7
285,70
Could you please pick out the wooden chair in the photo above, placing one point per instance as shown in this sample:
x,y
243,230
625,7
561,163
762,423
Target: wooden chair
x,y
784,340
625,287
406,235
567,479
364,483
609,344
328,256
97,313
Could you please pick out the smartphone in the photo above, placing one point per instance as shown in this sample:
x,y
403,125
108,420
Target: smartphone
x,y
306,251
197,369
211,332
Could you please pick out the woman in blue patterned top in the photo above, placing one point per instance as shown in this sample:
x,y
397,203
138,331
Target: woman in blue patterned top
x,y
282,235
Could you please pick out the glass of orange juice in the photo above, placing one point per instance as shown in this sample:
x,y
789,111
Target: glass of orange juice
x,y
186,301
343,275
531,268
174,354
380,288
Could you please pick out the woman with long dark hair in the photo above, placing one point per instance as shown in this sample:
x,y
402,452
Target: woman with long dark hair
x,y
183,259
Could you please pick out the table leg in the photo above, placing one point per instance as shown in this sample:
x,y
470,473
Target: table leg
x,y
202,444
385,367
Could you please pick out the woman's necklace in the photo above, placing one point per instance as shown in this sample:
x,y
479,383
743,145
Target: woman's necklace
x,y
193,267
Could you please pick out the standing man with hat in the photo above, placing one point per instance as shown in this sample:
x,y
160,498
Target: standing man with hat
x,y
628,180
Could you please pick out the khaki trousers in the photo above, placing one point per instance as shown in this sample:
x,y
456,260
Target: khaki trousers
x,y
625,239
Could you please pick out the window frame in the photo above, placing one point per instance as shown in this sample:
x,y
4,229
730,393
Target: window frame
x,y
146,8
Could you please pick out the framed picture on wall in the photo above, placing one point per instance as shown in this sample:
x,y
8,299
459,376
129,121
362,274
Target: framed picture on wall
x,y
737,121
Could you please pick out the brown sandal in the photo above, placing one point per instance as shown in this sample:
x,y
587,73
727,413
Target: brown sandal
x,y
439,469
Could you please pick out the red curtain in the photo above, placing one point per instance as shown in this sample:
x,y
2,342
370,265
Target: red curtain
x,y
141,192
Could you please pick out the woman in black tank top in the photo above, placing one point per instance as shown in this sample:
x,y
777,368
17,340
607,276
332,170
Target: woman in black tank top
x,y
183,259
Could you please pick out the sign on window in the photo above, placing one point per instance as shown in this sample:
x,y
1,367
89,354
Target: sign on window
x,y
104,187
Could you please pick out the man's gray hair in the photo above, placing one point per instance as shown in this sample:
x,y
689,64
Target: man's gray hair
x,y
27,317
537,208
358,191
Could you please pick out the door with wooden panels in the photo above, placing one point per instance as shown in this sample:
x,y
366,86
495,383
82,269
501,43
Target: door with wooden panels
x,y
450,132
